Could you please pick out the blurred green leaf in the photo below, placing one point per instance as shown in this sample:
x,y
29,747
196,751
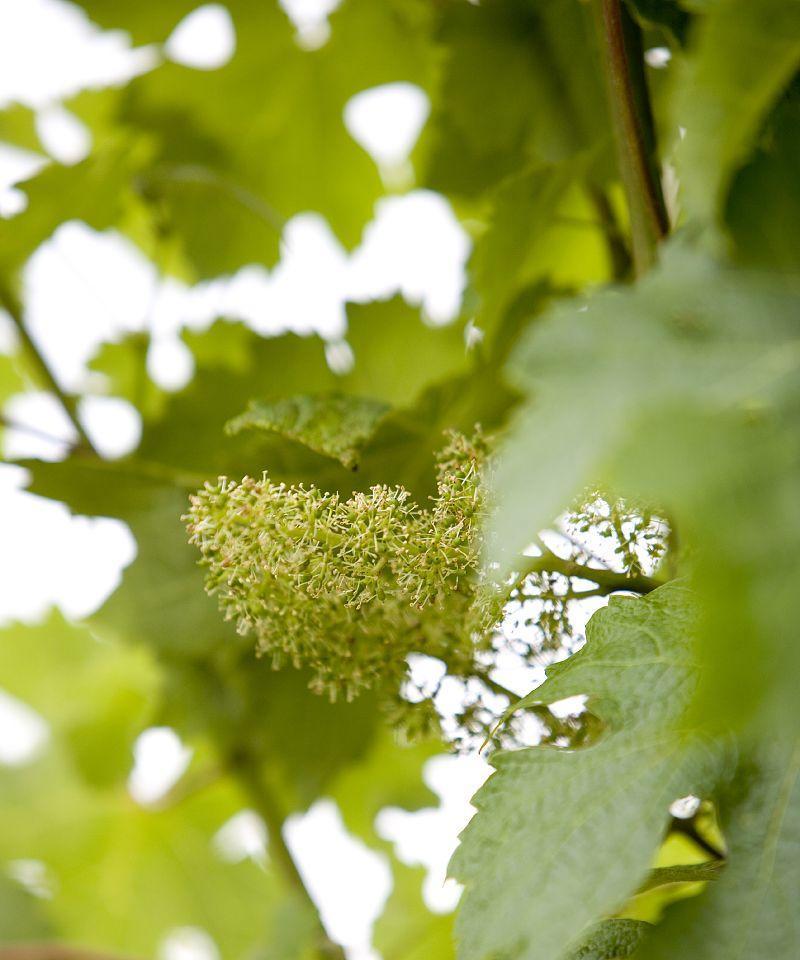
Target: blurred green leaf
x,y
407,929
18,127
96,191
740,58
111,689
663,13
519,86
682,391
21,914
125,876
389,775
243,148
11,380
763,208
122,876
123,365
542,227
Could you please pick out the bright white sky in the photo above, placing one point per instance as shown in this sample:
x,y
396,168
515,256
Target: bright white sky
x,y
83,287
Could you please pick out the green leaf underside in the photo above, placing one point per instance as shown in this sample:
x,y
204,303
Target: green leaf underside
x,y
333,424
610,799
536,64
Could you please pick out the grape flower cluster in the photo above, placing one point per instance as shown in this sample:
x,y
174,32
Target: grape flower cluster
x,y
349,587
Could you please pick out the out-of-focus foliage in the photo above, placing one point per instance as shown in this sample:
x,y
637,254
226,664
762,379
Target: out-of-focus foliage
x,y
643,430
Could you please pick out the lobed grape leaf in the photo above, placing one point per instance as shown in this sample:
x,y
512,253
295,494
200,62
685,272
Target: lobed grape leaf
x,y
532,891
96,191
242,148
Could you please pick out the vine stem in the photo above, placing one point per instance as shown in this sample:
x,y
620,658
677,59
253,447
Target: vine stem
x,y
266,806
623,62
608,581
13,308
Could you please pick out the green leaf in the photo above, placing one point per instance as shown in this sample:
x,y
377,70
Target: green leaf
x,y
407,930
647,338
389,775
663,13
145,22
612,940
11,380
122,876
740,58
21,914
397,356
123,365
536,65
243,148
97,191
532,890
681,392
18,127
333,424
763,207
401,445
751,911
682,873
111,689
542,227
125,876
